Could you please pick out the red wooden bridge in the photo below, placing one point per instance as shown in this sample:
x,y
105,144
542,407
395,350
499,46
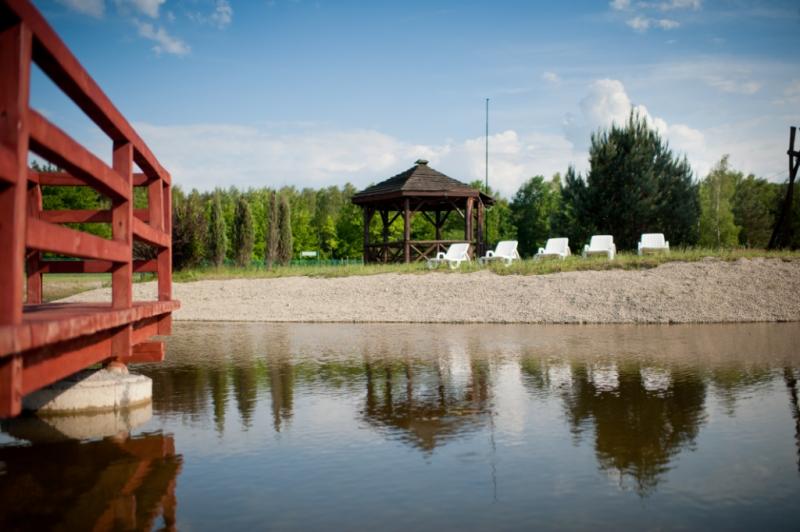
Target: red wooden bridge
x,y
43,343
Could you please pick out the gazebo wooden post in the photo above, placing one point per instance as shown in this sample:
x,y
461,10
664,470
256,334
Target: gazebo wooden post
x,y
481,236
438,225
407,230
367,219
468,221
385,234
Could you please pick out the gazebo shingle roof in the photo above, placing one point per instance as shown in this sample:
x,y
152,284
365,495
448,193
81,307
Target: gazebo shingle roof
x,y
419,178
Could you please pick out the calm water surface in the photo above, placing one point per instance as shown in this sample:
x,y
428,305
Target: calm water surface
x,y
397,427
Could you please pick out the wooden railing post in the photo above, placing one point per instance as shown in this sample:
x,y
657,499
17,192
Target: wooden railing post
x,y
15,66
164,269
33,256
122,232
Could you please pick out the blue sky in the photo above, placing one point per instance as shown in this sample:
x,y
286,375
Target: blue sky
x,y
314,93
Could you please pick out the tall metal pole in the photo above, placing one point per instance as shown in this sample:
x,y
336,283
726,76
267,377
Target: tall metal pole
x,y
486,218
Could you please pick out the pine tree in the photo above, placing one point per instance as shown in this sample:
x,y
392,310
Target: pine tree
x,y
637,185
243,234
285,249
273,232
217,241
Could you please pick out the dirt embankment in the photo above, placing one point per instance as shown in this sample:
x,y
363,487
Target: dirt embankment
x,y
706,291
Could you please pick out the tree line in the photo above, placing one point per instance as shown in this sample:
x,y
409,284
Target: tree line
x,y
635,184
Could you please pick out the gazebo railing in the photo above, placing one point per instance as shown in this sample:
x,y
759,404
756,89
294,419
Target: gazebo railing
x,y
420,250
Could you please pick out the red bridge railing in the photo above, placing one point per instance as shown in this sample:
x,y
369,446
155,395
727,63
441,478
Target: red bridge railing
x,y
42,343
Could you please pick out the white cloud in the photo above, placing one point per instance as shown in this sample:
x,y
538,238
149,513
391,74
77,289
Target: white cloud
x,y
645,14
223,14
144,7
607,103
793,89
791,94
680,4
667,24
165,43
551,77
746,87
94,8
640,24
211,155
221,17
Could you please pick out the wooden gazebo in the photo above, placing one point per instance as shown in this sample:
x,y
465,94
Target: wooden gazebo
x,y
435,196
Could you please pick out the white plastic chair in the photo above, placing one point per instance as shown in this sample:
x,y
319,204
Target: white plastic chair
x,y
601,245
456,254
555,247
506,251
653,243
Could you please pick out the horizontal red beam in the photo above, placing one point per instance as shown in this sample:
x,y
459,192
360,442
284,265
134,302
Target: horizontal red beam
x,y
63,179
44,236
58,322
93,266
55,59
87,216
146,352
8,165
59,148
147,233
52,363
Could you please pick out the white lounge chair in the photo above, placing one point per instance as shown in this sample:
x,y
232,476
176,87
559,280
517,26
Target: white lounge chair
x,y
506,251
555,247
456,254
601,245
653,243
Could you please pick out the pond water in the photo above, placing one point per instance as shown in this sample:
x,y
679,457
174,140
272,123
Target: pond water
x,y
398,427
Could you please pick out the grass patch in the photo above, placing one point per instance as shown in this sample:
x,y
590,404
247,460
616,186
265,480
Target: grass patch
x,y
625,261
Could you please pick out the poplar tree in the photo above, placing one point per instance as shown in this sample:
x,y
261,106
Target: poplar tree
x,y
217,242
188,229
285,244
243,234
717,225
273,232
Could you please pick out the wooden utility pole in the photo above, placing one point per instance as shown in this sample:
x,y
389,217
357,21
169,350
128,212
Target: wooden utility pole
x,y
782,234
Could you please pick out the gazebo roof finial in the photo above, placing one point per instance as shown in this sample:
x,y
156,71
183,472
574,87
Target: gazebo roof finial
x,y
422,161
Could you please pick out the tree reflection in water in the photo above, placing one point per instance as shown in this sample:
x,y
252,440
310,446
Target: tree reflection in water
x,y
422,403
281,389
437,383
794,405
642,416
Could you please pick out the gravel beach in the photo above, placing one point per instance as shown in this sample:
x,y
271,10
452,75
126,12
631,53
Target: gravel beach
x,y
708,291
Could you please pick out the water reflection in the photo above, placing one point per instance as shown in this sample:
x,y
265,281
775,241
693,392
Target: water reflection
x,y
125,483
639,394
640,416
296,426
427,404
794,404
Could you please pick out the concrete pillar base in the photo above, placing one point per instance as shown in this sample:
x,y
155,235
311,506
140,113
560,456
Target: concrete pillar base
x,y
91,391
77,426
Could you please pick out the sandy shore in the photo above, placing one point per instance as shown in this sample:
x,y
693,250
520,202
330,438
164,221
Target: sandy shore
x,y
706,291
